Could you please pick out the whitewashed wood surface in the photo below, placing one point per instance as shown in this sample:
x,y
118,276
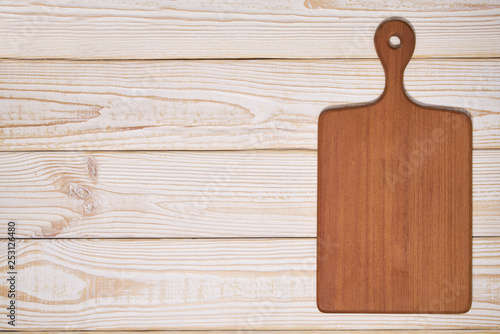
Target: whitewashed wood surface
x,y
159,156
185,194
215,105
242,284
156,29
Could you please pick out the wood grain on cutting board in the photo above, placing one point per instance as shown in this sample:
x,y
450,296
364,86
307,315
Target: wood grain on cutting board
x,y
394,198
168,102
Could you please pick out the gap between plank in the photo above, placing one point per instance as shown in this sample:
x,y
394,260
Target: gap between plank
x,y
233,59
477,149
197,238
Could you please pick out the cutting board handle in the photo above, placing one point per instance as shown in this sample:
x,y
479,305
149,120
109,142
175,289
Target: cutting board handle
x,y
393,56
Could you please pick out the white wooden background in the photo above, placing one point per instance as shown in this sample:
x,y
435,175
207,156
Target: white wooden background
x,y
159,157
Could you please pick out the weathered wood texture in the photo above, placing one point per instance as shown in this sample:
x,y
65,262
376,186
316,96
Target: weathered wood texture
x,y
216,105
130,29
211,105
205,284
185,194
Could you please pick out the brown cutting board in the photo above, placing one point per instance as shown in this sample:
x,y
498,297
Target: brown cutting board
x,y
394,199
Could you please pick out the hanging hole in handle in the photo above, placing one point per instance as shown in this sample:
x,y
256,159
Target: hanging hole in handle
x,y
394,42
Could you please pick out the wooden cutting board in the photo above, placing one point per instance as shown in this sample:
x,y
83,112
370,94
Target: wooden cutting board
x,y
394,199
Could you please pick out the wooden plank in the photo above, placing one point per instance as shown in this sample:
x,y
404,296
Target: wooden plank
x,y
244,284
130,29
217,105
185,194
